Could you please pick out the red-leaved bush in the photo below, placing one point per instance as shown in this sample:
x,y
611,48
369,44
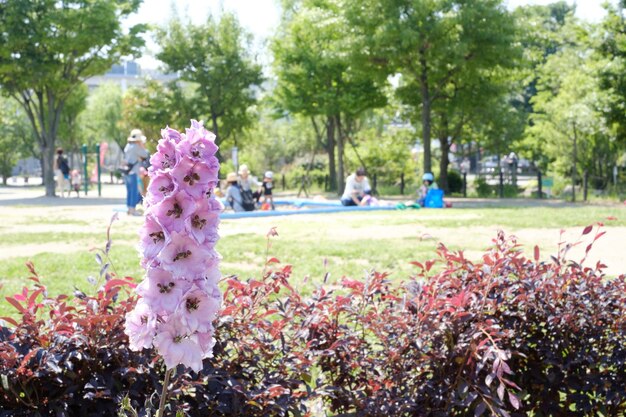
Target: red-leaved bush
x,y
506,336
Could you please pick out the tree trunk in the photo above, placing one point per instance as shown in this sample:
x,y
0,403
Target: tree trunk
x,y
330,148
43,181
44,112
444,163
425,113
574,166
340,151
218,141
48,153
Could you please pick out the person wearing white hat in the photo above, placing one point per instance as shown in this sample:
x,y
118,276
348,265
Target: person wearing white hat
x,y
250,187
134,152
268,184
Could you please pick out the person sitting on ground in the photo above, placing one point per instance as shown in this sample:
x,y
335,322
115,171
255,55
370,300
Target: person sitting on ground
x,y
62,172
357,186
233,192
268,184
428,183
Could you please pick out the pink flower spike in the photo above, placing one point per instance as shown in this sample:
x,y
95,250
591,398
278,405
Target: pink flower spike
x,y
153,237
198,308
174,210
162,290
140,326
177,346
179,296
185,258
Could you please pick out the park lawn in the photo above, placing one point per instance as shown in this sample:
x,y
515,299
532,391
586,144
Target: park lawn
x,y
343,244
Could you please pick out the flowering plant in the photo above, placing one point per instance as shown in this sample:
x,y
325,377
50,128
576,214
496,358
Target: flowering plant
x,y
179,298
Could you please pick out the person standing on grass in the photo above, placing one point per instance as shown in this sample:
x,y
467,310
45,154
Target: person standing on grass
x,y
62,171
357,186
76,182
134,152
268,185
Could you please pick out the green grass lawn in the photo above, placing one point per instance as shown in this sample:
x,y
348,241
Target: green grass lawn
x,y
345,244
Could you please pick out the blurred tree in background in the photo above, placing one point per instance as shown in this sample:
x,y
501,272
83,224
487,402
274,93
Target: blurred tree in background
x,y
49,47
318,75
215,58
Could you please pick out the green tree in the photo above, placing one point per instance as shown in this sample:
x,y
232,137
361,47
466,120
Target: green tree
x,y
436,45
16,135
613,74
71,133
49,47
385,150
568,124
214,57
102,117
148,106
539,31
319,75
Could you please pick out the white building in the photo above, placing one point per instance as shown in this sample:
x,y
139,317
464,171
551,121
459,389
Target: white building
x,y
128,74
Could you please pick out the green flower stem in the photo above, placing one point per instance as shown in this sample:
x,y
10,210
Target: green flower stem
x,y
166,383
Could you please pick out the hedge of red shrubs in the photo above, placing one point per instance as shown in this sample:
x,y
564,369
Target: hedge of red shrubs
x,y
505,336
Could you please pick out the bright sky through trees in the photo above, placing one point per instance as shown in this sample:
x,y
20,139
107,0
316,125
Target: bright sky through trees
x,y
260,17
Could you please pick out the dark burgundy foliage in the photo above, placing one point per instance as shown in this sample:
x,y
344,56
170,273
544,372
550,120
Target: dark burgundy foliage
x,y
506,336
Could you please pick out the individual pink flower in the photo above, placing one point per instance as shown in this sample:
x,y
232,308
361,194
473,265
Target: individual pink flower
x,y
185,258
152,237
196,146
202,222
211,197
177,345
174,210
206,342
193,176
165,158
198,308
171,135
140,326
162,291
197,131
161,186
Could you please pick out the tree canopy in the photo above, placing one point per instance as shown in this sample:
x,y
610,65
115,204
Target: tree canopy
x,y
49,47
319,75
215,58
